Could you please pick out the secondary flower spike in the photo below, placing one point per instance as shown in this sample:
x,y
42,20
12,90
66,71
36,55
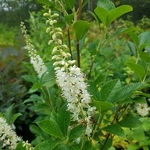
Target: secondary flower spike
x,y
69,77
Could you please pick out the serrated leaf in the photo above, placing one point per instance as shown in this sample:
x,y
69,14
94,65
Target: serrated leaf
x,y
107,4
47,145
81,27
101,13
138,69
102,106
109,89
51,128
130,122
117,12
125,92
114,129
64,120
76,132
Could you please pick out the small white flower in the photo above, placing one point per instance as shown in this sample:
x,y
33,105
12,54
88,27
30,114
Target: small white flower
x,y
142,109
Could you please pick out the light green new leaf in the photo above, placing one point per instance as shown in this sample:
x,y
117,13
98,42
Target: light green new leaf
x,y
114,129
107,4
76,132
102,14
51,128
138,69
130,122
117,12
102,106
47,145
81,27
64,120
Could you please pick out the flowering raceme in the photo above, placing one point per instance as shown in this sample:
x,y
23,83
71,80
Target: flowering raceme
x,y
70,78
7,136
35,59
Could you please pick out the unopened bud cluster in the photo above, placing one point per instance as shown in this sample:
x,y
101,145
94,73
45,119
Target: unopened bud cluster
x,y
35,59
69,77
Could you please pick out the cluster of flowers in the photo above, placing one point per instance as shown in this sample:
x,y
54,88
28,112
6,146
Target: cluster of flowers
x,y
7,135
142,109
69,77
35,59
9,138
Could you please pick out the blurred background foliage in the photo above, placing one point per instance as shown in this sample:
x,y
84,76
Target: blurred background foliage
x,y
14,62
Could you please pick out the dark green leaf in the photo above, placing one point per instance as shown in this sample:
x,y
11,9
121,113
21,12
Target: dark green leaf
x,y
130,122
114,129
51,128
81,27
8,115
64,120
35,87
35,129
108,144
33,98
15,116
47,145
69,3
76,132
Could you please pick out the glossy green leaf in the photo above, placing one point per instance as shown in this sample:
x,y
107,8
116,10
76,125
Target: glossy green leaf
x,y
51,128
130,122
102,106
76,132
114,129
47,145
117,12
138,69
64,120
107,4
81,27
102,14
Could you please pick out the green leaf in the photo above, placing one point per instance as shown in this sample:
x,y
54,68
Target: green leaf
x,y
125,92
69,18
33,98
35,87
35,129
101,13
114,129
76,132
20,146
117,12
81,27
69,3
64,120
47,145
109,89
138,69
15,116
132,48
8,115
64,147
102,106
45,2
130,122
48,79
107,145
29,78
107,4
134,37
51,128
